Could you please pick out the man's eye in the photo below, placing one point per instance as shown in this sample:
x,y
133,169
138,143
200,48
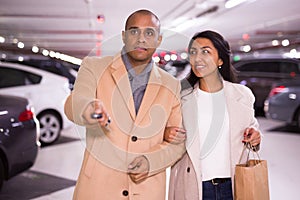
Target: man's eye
x,y
149,33
134,31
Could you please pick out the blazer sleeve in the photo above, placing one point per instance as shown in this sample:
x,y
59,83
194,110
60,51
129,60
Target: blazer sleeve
x,y
254,123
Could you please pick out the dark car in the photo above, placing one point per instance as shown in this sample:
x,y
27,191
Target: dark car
x,y
19,131
259,74
283,102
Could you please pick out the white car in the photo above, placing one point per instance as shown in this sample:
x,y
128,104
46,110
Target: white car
x,y
46,91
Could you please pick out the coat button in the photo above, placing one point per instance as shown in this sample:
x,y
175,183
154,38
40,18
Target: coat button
x,y
125,192
134,138
188,170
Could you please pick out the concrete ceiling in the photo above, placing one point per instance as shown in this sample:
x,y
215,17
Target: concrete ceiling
x,y
71,26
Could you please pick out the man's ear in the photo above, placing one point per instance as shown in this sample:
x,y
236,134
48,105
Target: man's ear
x,y
159,40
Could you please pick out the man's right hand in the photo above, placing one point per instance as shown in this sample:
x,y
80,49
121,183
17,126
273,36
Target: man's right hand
x,y
96,107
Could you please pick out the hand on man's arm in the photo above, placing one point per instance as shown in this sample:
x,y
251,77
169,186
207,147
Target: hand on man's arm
x,y
138,169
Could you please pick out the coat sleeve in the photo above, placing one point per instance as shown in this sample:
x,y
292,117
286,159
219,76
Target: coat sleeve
x,y
84,90
166,154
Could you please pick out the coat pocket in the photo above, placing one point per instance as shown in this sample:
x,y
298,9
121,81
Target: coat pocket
x,y
90,164
90,160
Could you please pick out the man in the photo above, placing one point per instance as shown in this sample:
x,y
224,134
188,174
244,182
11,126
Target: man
x,y
126,102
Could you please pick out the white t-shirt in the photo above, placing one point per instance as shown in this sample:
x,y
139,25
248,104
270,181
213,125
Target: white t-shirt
x,y
213,124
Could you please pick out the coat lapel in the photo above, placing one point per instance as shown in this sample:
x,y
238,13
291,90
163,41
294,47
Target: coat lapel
x,y
120,77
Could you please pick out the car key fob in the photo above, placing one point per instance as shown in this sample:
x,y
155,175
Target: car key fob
x,y
96,115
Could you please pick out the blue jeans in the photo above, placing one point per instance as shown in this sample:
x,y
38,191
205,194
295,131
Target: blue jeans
x,y
221,191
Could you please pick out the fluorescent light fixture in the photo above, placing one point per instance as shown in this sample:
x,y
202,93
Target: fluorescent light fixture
x,y
4,112
233,3
185,25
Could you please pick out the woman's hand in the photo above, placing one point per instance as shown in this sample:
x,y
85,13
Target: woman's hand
x,y
174,135
252,136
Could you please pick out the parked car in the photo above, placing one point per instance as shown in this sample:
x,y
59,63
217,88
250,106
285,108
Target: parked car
x,y
181,68
19,132
61,68
283,102
46,91
259,74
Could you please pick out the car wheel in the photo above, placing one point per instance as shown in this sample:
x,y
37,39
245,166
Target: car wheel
x,y
50,127
1,173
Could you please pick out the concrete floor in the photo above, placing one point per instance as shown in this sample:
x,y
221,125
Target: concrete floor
x,y
63,161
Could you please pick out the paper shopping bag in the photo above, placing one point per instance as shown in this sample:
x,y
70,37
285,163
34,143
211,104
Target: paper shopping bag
x,y
251,181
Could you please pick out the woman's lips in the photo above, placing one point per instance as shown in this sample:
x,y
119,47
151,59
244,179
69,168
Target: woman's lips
x,y
199,67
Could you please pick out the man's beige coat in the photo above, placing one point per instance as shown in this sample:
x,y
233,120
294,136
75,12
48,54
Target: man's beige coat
x,y
109,150
186,181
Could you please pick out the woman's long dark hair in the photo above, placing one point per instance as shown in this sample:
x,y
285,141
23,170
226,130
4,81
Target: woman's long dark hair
x,y
227,71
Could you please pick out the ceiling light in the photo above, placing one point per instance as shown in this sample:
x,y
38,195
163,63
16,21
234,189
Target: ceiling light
x,y
185,25
21,45
275,42
35,49
233,3
246,48
2,39
52,54
15,40
21,58
285,42
184,55
173,57
156,59
167,57
45,52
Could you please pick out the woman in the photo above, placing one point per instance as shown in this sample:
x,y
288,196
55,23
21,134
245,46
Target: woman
x,y
219,119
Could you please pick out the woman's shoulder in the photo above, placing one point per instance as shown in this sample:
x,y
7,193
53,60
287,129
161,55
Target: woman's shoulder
x,y
238,89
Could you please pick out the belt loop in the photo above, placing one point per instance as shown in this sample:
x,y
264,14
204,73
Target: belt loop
x,y
213,182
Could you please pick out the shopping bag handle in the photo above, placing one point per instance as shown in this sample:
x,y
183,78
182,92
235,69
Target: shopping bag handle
x,y
250,148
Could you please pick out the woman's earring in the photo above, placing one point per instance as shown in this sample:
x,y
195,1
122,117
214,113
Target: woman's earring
x,y
220,66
